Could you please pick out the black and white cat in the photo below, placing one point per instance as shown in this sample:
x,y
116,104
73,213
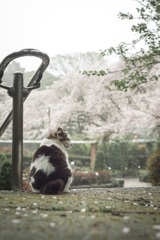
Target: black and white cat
x,y
50,172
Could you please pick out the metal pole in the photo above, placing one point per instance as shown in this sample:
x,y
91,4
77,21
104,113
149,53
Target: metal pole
x,y
17,132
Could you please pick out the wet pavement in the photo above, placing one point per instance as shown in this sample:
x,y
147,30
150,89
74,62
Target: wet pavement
x,y
134,182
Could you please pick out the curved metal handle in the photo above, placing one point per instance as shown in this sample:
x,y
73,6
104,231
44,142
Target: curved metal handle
x,y
27,52
35,80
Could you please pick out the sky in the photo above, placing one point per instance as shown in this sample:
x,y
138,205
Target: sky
x,y
63,26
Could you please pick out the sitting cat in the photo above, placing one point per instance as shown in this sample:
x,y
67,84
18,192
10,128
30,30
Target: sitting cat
x,y
50,172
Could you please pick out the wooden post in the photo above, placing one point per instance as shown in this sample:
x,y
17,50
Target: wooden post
x,y
93,155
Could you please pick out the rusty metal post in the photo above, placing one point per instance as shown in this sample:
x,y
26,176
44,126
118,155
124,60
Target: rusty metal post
x,y
93,155
17,132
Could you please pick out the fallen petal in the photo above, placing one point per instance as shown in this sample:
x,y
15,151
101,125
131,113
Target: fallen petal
x,y
156,227
125,230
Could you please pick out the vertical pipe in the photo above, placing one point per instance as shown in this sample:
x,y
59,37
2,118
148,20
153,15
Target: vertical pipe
x,y
17,132
93,155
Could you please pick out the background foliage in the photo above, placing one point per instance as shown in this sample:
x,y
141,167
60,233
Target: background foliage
x,y
90,105
140,57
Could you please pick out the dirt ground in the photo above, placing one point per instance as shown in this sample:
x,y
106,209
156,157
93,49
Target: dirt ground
x,y
85,214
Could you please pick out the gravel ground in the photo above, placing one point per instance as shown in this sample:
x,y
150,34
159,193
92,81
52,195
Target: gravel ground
x,y
85,214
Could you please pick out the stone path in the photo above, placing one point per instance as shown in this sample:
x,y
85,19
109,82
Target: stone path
x,y
88,214
134,182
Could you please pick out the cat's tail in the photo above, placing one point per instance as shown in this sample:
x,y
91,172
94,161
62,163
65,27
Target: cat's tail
x,y
53,187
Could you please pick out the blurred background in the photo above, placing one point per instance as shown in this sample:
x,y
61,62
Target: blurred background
x,y
115,133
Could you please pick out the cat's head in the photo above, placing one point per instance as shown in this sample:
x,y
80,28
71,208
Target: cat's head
x,y
62,137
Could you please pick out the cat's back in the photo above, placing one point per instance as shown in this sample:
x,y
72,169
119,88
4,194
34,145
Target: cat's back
x,y
52,152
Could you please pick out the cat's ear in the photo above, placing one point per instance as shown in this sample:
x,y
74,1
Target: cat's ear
x,y
59,130
51,135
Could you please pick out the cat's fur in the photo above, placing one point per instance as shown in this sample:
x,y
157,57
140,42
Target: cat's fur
x,y
50,172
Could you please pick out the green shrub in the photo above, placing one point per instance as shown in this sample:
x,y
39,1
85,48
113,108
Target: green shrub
x,y
100,163
80,154
91,178
144,175
153,165
125,156
80,149
6,176
4,157
103,176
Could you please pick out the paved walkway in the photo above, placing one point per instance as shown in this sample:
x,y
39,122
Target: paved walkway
x,y
134,182
88,214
